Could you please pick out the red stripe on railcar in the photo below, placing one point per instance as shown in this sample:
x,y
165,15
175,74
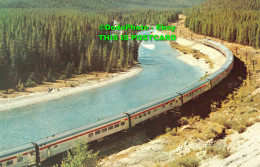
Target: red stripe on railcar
x,y
63,140
8,159
152,108
194,90
78,135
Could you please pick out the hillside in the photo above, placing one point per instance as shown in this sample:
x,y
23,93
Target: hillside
x,y
230,20
51,40
230,4
228,136
47,40
101,5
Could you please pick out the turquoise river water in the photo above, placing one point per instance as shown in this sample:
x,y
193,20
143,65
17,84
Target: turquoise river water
x,y
162,75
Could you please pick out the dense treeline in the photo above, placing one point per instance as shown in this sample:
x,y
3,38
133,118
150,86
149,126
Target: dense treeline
x,y
230,4
36,44
150,17
45,40
230,20
101,5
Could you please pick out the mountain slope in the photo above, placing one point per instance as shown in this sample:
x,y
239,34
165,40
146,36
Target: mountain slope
x,y
230,20
100,4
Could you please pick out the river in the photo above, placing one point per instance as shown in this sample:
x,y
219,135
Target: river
x,y
162,75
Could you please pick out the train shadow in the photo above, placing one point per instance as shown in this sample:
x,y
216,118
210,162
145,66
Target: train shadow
x,y
150,129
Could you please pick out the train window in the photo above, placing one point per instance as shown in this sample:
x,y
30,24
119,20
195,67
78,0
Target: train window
x,y
9,162
19,159
163,106
97,132
140,116
110,127
170,103
144,114
122,123
116,125
104,130
149,112
176,101
90,134
55,146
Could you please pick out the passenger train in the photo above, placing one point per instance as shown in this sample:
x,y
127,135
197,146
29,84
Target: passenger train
x,y
35,153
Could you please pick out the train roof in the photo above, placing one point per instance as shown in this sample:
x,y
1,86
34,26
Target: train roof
x,y
193,86
230,56
79,130
228,53
226,64
215,74
59,136
102,122
16,150
149,105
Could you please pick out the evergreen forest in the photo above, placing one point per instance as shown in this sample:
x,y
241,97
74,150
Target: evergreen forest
x,y
231,20
46,40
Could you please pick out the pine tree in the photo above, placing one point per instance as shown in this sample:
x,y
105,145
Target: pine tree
x,y
252,36
105,57
49,77
122,58
110,61
81,156
68,70
35,51
4,60
81,65
30,82
100,59
135,50
91,54
258,38
245,39
229,34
